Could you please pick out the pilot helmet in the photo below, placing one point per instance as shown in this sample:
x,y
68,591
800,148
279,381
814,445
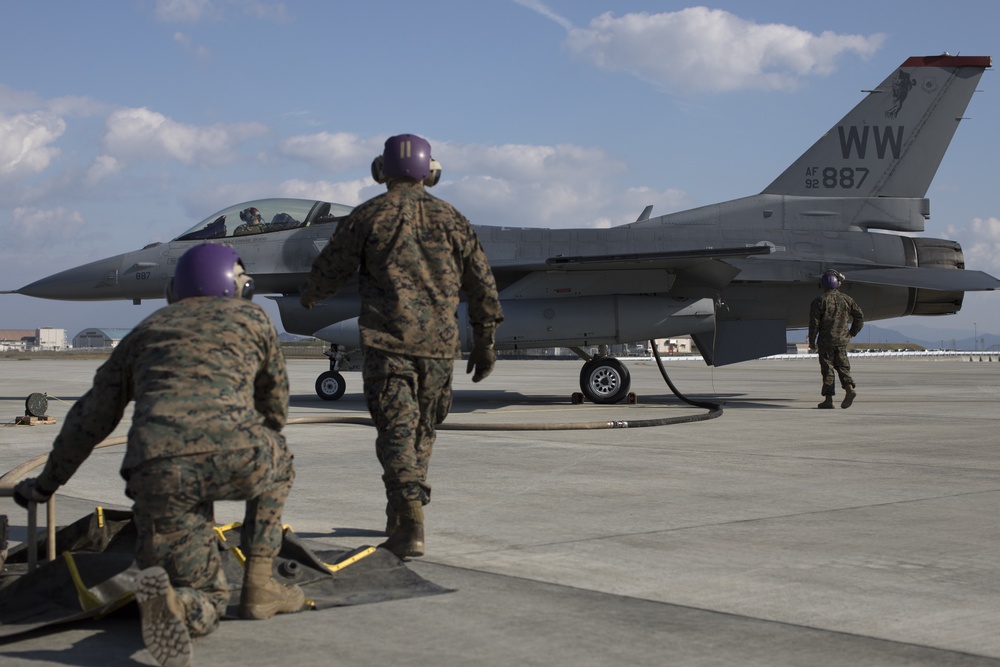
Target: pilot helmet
x,y
831,279
406,156
210,270
250,215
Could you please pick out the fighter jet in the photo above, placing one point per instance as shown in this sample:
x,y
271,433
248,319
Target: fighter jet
x,y
734,275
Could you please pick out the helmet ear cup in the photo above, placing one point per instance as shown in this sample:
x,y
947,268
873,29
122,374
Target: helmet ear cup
x,y
435,174
246,292
242,282
170,291
378,172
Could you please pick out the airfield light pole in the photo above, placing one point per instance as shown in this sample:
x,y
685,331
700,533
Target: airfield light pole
x,y
975,337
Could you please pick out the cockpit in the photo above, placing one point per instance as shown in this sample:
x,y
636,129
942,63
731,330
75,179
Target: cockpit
x,y
264,216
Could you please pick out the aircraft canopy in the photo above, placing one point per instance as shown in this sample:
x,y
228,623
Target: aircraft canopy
x,y
262,216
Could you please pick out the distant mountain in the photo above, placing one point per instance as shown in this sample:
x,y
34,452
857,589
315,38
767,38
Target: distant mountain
x,y
917,334
292,338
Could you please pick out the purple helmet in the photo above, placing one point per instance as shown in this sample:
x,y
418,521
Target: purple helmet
x,y
406,156
209,270
830,280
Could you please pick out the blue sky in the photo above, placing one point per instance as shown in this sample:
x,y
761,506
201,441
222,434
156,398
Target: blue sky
x,y
125,123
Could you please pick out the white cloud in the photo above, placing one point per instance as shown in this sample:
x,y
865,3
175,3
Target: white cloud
x,y
267,11
137,135
980,244
527,162
12,99
103,166
701,49
543,9
350,193
40,226
332,152
25,142
188,11
516,185
193,11
543,186
187,41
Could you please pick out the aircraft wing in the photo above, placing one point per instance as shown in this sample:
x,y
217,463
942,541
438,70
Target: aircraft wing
x,y
703,266
665,259
927,278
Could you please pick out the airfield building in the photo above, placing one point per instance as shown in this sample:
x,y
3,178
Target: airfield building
x,y
99,338
31,340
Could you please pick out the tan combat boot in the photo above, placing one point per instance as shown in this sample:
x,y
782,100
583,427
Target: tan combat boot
x,y
849,398
407,541
164,622
391,520
263,596
827,403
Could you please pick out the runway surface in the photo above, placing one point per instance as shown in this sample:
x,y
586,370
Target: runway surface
x,y
775,534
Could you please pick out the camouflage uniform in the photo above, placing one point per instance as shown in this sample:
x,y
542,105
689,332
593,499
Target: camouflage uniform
x,y
412,253
834,318
211,397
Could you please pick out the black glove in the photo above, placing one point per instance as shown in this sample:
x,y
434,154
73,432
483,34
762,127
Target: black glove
x,y
306,303
481,359
28,490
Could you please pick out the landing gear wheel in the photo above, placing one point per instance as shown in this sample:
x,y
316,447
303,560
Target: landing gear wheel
x,y
605,380
330,386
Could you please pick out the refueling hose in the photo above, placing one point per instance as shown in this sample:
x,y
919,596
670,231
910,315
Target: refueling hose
x,y
14,475
714,410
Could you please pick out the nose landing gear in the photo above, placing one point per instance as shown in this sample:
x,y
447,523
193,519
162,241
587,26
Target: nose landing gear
x,y
330,386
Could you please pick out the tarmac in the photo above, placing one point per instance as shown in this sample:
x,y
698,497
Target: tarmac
x,y
774,534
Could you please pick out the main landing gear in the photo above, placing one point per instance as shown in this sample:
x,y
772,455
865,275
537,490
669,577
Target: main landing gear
x,y
330,385
603,379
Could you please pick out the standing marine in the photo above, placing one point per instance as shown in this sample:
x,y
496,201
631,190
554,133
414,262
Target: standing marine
x,y
412,254
834,318
211,397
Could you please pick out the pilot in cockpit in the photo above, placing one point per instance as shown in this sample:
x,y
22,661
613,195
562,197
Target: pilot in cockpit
x,y
252,222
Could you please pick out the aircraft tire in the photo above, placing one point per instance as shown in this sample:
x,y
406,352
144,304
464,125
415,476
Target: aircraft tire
x,y
330,386
605,380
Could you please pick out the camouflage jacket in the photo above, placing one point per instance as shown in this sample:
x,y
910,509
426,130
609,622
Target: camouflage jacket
x,y
412,254
207,375
834,318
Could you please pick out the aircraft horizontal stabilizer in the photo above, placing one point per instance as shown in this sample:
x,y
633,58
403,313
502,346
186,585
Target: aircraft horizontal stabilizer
x,y
926,278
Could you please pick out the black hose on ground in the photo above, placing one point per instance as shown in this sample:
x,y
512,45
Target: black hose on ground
x,y
714,410
8,480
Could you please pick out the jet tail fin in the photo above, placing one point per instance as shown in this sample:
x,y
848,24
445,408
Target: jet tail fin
x,y
892,142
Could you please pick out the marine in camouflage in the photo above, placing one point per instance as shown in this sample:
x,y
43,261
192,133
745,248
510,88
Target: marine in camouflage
x,y
412,255
175,522
834,319
211,396
407,398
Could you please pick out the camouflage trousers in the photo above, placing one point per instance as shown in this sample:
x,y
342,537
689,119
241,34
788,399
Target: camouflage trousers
x,y
833,359
175,520
407,398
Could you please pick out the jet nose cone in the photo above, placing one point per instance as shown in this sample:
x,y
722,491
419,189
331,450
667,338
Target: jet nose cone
x,y
90,282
